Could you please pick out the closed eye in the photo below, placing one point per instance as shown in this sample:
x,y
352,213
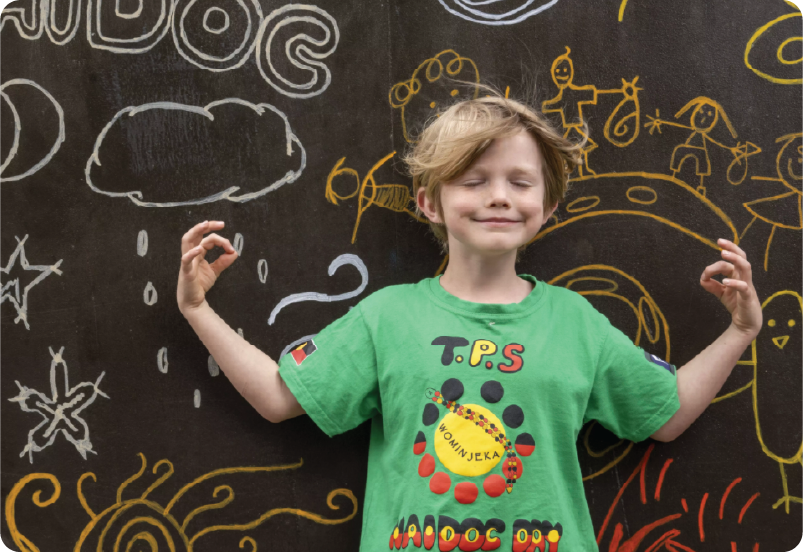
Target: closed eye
x,y
523,184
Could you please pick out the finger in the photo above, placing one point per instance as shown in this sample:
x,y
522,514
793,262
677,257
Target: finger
x,y
188,257
730,246
741,263
719,267
742,287
713,287
223,262
193,236
214,240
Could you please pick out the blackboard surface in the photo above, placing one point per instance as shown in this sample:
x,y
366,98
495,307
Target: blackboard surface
x,y
124,123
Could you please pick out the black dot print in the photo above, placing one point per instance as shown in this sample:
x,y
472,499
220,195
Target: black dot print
x,y
513,416
430,414
492,391
452,389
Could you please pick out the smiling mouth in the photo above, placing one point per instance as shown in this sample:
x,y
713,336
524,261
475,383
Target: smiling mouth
x,y
791,172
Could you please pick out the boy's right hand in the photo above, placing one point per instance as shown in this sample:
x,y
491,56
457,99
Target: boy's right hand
x,y
197,276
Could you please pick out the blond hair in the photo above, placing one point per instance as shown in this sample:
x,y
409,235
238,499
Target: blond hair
x,y
457,137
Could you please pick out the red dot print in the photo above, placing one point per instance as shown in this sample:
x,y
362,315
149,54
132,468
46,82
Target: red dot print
x,y
426,466
512,468
489,364
439,483
494,485
465,492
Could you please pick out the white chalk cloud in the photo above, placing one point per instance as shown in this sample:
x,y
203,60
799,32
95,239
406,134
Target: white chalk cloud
x,y
167,154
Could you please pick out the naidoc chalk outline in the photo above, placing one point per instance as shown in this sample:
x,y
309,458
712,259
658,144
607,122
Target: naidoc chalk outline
x,y
228,194
60,414
172,16
471,10
11,289
18,127
179,11
132,45
300,54
345,259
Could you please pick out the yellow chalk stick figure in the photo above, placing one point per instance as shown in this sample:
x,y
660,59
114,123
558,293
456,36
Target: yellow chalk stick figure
x,y
783,210
571,99
703,119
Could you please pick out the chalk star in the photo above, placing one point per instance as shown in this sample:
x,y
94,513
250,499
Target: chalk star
x,y
11,290
58,415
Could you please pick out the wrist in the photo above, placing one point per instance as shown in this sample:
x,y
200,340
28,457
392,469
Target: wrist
x,y
745,335
193,311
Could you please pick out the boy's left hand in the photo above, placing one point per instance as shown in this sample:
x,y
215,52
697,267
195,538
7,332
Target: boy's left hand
x,y
736,290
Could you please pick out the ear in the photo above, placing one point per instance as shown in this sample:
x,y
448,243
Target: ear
x,y
427,207
550,211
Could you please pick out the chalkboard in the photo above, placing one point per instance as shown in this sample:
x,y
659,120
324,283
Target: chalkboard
x,y
125,122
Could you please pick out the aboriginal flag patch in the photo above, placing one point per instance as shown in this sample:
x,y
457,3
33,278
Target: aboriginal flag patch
x,y
303,351
656,360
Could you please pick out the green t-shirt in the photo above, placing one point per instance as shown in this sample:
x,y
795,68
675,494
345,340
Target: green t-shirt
x,y
475,412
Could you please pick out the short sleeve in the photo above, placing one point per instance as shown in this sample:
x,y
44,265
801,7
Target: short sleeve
x,y
634,393
333,375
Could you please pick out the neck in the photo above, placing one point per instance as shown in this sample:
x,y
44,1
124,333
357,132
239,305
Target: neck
x,y
482,279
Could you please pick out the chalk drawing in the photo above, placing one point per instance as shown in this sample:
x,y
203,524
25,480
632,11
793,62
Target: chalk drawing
x,y
345,259
11,289
225,25
149,295
782,210
779,33
189,47
161,360
137,517
240,332
296,49
705,114
127,33
196,399
59,414
214,368
238,244
29,27
477,12
18,127
262,270
291,141
142,243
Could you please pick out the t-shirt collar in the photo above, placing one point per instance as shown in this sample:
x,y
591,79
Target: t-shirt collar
x,y
510,310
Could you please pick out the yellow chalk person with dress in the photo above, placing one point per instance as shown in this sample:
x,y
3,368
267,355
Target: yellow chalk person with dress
x,y
622,126
782,210
705,114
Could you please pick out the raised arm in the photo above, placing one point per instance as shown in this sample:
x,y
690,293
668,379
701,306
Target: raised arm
x,y
253,373
700,379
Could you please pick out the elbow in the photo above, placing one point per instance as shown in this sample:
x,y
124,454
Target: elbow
x,y
273,416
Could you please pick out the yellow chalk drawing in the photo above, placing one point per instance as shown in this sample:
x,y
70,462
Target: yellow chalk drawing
x,y
622,126
771,30
128,521
657,196
782,210
622,9
396,197
607,281
768,350
445,64
704,118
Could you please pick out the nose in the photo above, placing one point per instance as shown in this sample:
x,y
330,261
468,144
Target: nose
x,y
780,341
498,193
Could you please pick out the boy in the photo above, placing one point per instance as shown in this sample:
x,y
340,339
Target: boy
x,y
479,381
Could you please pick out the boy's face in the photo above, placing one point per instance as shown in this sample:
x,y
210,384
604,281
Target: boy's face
x,y
497,205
